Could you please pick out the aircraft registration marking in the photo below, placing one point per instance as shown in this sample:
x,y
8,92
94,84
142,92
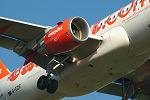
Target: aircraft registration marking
x,y
18,87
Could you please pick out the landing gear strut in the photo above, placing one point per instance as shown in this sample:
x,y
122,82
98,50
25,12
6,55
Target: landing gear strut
x,y
127,89
54,67
49,83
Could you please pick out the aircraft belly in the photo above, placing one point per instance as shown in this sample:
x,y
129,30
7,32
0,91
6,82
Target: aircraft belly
x,y
108,63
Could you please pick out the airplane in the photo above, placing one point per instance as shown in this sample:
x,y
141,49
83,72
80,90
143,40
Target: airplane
x,y
111,56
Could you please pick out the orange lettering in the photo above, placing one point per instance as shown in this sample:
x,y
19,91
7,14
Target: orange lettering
x,y
134,8
36,65
110,23
15,74
124,15
27,68
95,28
142,3
23,70
103,27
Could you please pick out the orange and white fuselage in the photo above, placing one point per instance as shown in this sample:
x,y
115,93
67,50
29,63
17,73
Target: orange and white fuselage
x,y
124,48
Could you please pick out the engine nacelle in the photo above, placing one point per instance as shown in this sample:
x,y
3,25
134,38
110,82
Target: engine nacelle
x,y
67,36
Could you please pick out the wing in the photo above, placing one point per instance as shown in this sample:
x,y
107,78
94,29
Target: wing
x,y
137,82
22,30
26,38
18,34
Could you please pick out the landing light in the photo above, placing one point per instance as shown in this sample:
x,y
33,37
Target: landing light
x,y
74,60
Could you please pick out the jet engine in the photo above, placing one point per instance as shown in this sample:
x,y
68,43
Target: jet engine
x,y
67,36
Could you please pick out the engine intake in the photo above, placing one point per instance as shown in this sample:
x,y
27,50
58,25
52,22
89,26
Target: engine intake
x,y
67,35
79,29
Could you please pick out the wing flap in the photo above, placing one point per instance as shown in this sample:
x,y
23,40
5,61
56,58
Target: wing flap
x,y
8,43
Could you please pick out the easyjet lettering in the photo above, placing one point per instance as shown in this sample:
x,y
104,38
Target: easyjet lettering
x,y
55,31
22,71
96,27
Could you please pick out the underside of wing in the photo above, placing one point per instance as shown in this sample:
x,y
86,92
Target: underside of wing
x,y
135,85
56,47
16,34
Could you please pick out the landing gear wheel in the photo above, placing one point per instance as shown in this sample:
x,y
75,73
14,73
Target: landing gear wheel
x,y
42,82
52,86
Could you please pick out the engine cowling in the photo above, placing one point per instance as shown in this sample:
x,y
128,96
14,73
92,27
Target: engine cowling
x,y
67,35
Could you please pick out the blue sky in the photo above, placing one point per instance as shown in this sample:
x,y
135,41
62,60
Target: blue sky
x,y
50,12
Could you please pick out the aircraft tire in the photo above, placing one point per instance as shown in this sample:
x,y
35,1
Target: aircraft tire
x,y
42,82
52,86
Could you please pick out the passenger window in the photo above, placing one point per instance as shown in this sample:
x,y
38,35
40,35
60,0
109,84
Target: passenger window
x,y
127,9
101,24
8,79
141,1
15,74
105,22
30,64
122,11
22,69
109,19
94,28
118,14
131,6
114,17
18,71
27,67
11,76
